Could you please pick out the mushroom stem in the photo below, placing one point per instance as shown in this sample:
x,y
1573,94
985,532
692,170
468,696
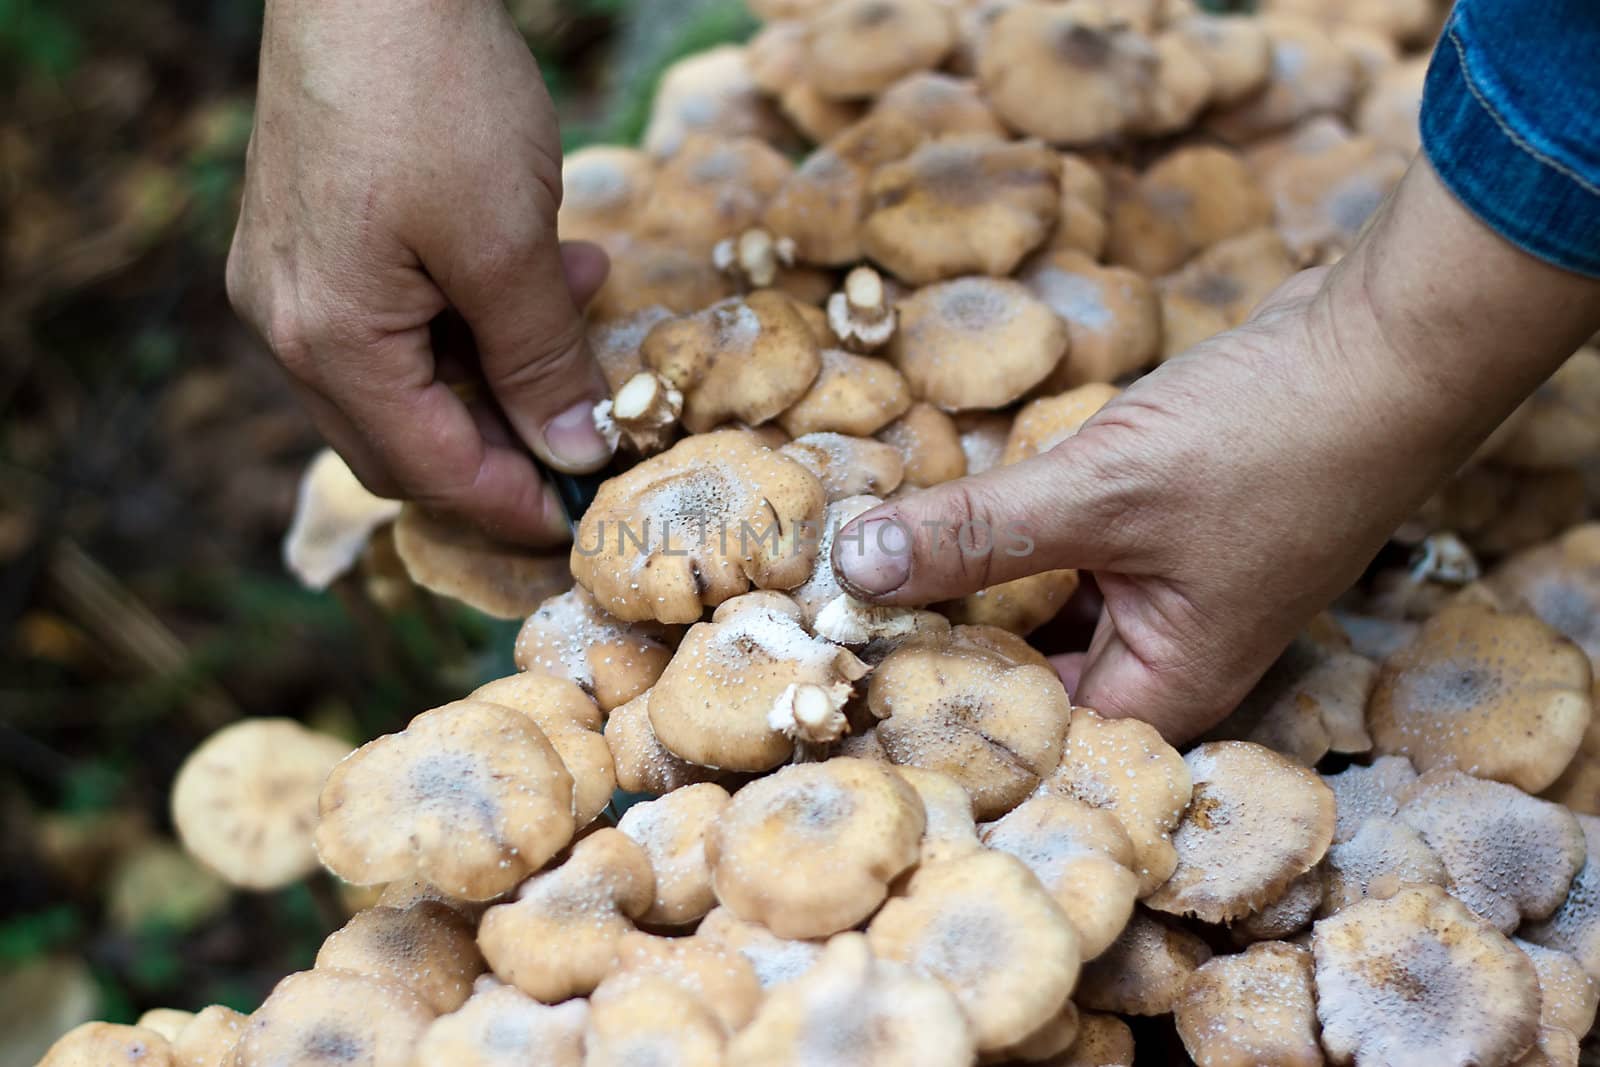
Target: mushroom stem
x,y
845,620
809,712
643,412
1442,557
753,257
859,314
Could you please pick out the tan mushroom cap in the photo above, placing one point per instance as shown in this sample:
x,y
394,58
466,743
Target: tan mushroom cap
x,y
1500,510
1252,1008
1181,89
1050,420
819,118
1112,314
775,959
857,48
109,1045
961,205
1312,74
330,1017
1019,606
1144,972
1311,701
603,188
502,1027
1418,978
976,704
1103,1041
616,343
1322,201
672,831
1399,21
855,1009
1382,855
1567,995
1579,785
568,636
571,722
716,976
652,1021
710,94
949,829
1236,52
1123,766
1561,425
209,1038
427,948
983,438
470,797
1510,856
1218,289
168,1022
940,104
640,549
1574,926
643,764
1236,853
406,892
652,272
1560,583
714,187
453,559
982,925
810,850
558,938
1497,694
852,395
1083,858
1361,792
847,466
1389,109
929,446
1287,916
245,802
334,515
976,343
1085,201
1188,201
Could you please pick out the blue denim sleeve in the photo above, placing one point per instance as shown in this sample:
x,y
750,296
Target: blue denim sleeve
x,y
1511,122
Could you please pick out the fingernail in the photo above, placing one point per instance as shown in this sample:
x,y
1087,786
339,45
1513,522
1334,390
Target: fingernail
x,y
879,560
572,439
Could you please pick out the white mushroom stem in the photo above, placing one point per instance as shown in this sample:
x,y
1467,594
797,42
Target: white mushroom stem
x,y
814,713
859,314
848,621
1442,557
754,256
643,413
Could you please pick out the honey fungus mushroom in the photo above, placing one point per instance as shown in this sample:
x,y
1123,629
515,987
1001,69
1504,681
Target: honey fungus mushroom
x,y
1560,583
1558,424
1186,202
929,446
1311,74
245,802
331,1017
499,1026
1383,854
1085,200
847,466
718,977
1235,51
1574,926
1218,289
713,188
571,722
568,636
857,48
1103,1041
643,764
109,1045
651,546
1323,200
1144,971
852,395
603,189
940,104
672,831
208,1039
711,94
1363,791
775,960
1568,996
470,797
810,850
451,558
426,947
1251,1008
1112,314
334,515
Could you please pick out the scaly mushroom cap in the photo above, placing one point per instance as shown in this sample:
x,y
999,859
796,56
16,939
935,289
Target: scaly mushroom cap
x,y
976,704
603,189
334,515
1389,108
1380,856
1190,200
1291,913
1574,926
569,637
949,829
245,802
1560,583
1068,74
1497,694
1253,1008
1361,792
1144,972
852,395
963,205
852,1009
775,959
1236,51
502,1027
1419,979
1567,995
697,525
982,925
929,446
1083,858
1236,853
1019,606
1312,74
847,466
329,1018
453,559
1085,200
744,359
1219,288
1113,317
110,1045
711,95
209,1039
716,976
1050,420
857,48
811,850
1103,1041
427,948
1510,856
571,722
714,187
648,272
643,764
652,1021
941,105
976,343
1562,422
1323,200
1312,701
470,797
558,938
727,698
1123,766
672,831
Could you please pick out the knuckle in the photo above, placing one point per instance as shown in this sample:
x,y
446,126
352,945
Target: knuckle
x,y
541,360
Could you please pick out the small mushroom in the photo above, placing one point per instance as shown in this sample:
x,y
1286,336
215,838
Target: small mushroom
x,y
1312,74
558,938
1085,201
568,636
1236,853
652,1021
1417,978
857,48
1287,916
672,831
209,1038
1567,995
168,1022
1054,1038
1181,88
470,797
1383,854
1112,314
499,1026
847,466
324,1018
1579,785
860,314
949,829
1046,422
110,1045
653,272
1560,583
1253,1008
711,94
1323,201
643,413
929,446
245,802
810,850
714,187
1389,108
819,118
603,188
427,947
1361,792
719,978
775,959
1219,288
570,721
1558,425
1236,51
754,257
940,104
616,343
1574,926
983,438
456,560
334,515
1190,200
852,395
1145,971
981,925
643,764
1019,606
1103,1041
976,343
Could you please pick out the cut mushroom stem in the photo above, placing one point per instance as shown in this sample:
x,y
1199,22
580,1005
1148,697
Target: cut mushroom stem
x,y
860,314
809,712
643,413
848,621
1443,558
753,257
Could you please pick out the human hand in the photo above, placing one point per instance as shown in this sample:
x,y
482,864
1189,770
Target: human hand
x,y
405,161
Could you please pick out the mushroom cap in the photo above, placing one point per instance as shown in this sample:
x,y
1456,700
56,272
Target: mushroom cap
x,y
1497,694
1311,701
717,976
1218,289
571,722
1560,583
857,48
245,801
558,938
854,1009
1419,979
640,549
502,1027
1019,606
847,466
983,438
852,395
331,1017
652,1021
1103,1041
603,188
209,1038
929,446
1046,422
1312,74
961,205
672,831
654,272
1144,971
1236,853
712,188
168,1022
1190,199
1510,856
1112,314
451,558
109,1045
1236,52
1389,109
568,636
1567,995
709,94
1085,199
334,514
428,947
1322,201
976,704
1360,792
470,797
976,343
1291,913
1252,1008
1579,785
823,588
982,925
941,105
775,959
819,118
949,828
810,850
1574,926
1383,854
1182,88
1124,767
642,762
1561,426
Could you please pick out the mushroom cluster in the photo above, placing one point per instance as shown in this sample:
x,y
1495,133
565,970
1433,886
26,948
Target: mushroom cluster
x,y
725,814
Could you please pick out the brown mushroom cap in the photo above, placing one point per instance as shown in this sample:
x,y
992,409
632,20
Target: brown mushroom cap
x,y
651,272
1253,1008
1190,200
929,445
716,976
1574,926
334,515
672,831
1322,201
652,1021
641,551
1361,792
982,925
1020,606
603,188
570,721
1219,288
643,764
1383,854
1103,1041
502,1027
714,187
1287,916
962,205
858,48
1579,785
1236,853
852,395
1181,89
1388,110
847,466
168,1022
1236,51
819,118
1560,583
976,343
245,802
616,344
331,1017
209,1038
940,105
949,828
1312,74
1418,978
1085,200
427,947
569,637
1113,317
454,559
1046,422
775,959
1144,972
109,1045
470,797
810,850
710,94
1311,701
975,704
983,438
1497,694
1561,425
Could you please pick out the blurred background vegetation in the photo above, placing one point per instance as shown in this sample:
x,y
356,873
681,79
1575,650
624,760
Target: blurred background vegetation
x,y
148,461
